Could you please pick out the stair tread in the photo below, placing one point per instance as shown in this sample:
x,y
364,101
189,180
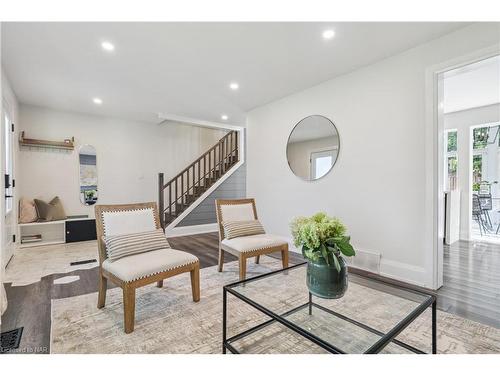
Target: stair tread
x,y
208,178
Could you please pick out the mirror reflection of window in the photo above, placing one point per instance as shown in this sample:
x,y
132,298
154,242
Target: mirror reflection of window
x,y
88,175
312,147
321,163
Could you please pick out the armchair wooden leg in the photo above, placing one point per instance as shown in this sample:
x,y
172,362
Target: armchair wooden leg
x,y
103,286
243,267
195,283
159,284
129,308
257,259
221,259
284,257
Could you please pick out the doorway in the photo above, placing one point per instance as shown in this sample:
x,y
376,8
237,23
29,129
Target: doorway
x,y
469,158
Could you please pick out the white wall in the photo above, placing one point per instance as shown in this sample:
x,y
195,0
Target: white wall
x,y
462,121
378,185
129,156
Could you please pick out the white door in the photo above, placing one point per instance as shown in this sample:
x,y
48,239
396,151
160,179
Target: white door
x,y
321,163
7,189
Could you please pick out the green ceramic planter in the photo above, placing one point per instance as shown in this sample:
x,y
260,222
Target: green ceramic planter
x,y
325,281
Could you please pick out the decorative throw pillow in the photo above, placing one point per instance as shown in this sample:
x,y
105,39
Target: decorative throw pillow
x,y
233,229
123,245
27,211
50,211
43,210
58,212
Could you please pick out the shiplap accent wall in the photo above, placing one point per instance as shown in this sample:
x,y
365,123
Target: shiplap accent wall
x,y
233,188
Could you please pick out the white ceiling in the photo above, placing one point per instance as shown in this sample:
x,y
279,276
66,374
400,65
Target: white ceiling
x,y
474,85
185,68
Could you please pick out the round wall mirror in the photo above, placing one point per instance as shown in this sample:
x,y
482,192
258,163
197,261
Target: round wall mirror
x,y
313,147
88,175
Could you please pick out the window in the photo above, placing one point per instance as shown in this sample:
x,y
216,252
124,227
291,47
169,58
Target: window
x,y
321,163
8,156
480,137
451,167
477,171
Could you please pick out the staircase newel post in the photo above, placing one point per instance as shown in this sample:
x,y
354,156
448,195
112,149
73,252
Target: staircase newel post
x,y
160,200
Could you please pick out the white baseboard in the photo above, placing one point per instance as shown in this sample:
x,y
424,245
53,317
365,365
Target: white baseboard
x,y
366,260
191,229
374,262
403,272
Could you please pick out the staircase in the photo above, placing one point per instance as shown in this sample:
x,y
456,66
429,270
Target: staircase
x,y
175,196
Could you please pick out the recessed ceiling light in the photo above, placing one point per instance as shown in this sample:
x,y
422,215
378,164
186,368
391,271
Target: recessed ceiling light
x,y
328,34
108,46
97,101
234,85
224,117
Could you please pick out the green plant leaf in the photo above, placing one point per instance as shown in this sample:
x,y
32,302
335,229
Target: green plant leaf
x,y
333,249
336,262
324,252
304,249
346,249
333,240
311,255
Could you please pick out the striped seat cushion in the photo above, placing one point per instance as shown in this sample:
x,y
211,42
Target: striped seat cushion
x,y
233,229
122,245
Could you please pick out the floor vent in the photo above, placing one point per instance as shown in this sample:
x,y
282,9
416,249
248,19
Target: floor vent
x,y
82,262
10,340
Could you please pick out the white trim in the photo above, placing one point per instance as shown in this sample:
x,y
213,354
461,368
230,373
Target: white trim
x,y
403,272
433,166
191,229
389,268
164,117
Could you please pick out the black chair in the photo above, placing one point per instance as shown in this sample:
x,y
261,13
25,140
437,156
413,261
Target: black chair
x,y
486,207
477,213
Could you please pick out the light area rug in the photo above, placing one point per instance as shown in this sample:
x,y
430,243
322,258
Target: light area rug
x,y
168,321
29,265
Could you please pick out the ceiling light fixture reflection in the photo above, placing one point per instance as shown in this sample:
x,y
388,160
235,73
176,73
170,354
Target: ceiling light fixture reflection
x,y
328,34
108,46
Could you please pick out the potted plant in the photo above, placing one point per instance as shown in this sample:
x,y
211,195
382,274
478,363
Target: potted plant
x,y
323,243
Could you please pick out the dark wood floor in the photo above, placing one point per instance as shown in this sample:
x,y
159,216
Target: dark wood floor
x,y
471,285
30,306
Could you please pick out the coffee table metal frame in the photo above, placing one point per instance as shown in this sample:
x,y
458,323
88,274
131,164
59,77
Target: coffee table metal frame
x,y
385,339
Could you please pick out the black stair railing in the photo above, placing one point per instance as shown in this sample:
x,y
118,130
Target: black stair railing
x,y
175,196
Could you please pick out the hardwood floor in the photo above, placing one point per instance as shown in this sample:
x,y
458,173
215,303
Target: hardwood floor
x,y
472,282
30,305
471,287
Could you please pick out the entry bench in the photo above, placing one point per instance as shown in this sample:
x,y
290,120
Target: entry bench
x,y
73,229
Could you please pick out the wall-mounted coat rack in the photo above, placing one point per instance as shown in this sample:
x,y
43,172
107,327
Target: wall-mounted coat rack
x,y
67,144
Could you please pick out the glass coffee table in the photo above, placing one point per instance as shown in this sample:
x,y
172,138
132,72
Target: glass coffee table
x,y
367,319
